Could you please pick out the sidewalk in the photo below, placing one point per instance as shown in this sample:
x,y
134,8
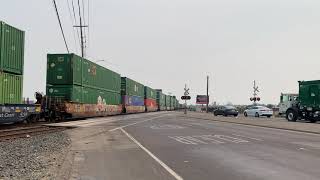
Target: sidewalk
x,y
277,123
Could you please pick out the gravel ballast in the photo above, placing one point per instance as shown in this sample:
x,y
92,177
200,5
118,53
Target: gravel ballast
x,y
36,157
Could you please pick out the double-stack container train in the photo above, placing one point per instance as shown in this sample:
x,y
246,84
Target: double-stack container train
x,y
75,88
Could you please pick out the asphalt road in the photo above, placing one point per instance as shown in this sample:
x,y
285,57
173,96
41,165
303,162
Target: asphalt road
x,y
171,146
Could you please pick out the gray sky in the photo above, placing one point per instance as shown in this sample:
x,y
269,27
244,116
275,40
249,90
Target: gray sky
x,y
165,44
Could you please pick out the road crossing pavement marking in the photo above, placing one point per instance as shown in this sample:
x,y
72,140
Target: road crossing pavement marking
x,y
136,123
166,167
210,138
207,139
230,139
247,137
166,126
182,140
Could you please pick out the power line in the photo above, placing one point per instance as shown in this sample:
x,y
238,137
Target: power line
x,y
84,22
75,20
73,31
64,38
88,19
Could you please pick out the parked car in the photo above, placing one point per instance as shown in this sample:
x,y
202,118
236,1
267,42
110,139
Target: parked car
x,y
226,111
258,111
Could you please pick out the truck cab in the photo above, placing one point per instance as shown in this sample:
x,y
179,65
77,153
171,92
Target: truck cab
x,y
287,100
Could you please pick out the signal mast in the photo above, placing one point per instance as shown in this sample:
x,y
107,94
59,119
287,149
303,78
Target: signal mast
x,y
255,97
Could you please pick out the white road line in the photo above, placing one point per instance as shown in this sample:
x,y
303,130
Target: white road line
x,y
182,140
229,138
248,137
210,138
192,138
134,123
166,167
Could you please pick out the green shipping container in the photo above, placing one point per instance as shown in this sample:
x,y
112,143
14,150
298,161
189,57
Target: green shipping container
x,y
174,101
72,93
171,102
97,96
64,69
150,93
168,103
10,88
161,98
309,94
131,88
11,49
96,76
84,95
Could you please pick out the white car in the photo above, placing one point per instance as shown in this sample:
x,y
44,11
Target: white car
x,y
258,111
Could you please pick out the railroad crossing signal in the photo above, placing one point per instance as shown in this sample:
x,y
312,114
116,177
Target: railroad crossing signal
x,y
186,91
185,97
255,93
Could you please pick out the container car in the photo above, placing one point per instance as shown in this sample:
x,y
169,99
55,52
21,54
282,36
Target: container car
x,y
12,109
168,102
150,99
132,94
161,100
77,87
14,113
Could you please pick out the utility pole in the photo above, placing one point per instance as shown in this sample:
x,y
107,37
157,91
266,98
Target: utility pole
x,y
207,94
81,31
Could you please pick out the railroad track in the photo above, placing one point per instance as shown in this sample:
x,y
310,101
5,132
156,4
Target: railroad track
x,y
27,132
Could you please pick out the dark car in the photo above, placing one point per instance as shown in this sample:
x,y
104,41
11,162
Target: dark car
x,y
226,111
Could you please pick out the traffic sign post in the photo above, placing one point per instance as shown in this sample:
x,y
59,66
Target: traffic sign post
x,y
185,98
255,97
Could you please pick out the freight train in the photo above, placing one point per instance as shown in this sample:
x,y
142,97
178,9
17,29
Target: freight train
x,y
75,87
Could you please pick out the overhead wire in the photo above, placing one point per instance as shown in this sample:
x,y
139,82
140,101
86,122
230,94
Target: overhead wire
x,y
84,23
88,22
75,21
73,31
58,16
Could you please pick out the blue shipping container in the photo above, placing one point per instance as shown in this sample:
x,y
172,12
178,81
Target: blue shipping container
x,y
133,100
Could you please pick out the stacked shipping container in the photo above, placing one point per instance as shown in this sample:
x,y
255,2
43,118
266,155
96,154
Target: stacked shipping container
x,y
161,100
88,89
174,102
11,64
150,99
132,96
168,99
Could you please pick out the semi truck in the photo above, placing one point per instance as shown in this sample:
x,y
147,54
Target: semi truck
x,y
307,104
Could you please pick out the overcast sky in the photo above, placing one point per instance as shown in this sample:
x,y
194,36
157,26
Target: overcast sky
x,y
167,43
